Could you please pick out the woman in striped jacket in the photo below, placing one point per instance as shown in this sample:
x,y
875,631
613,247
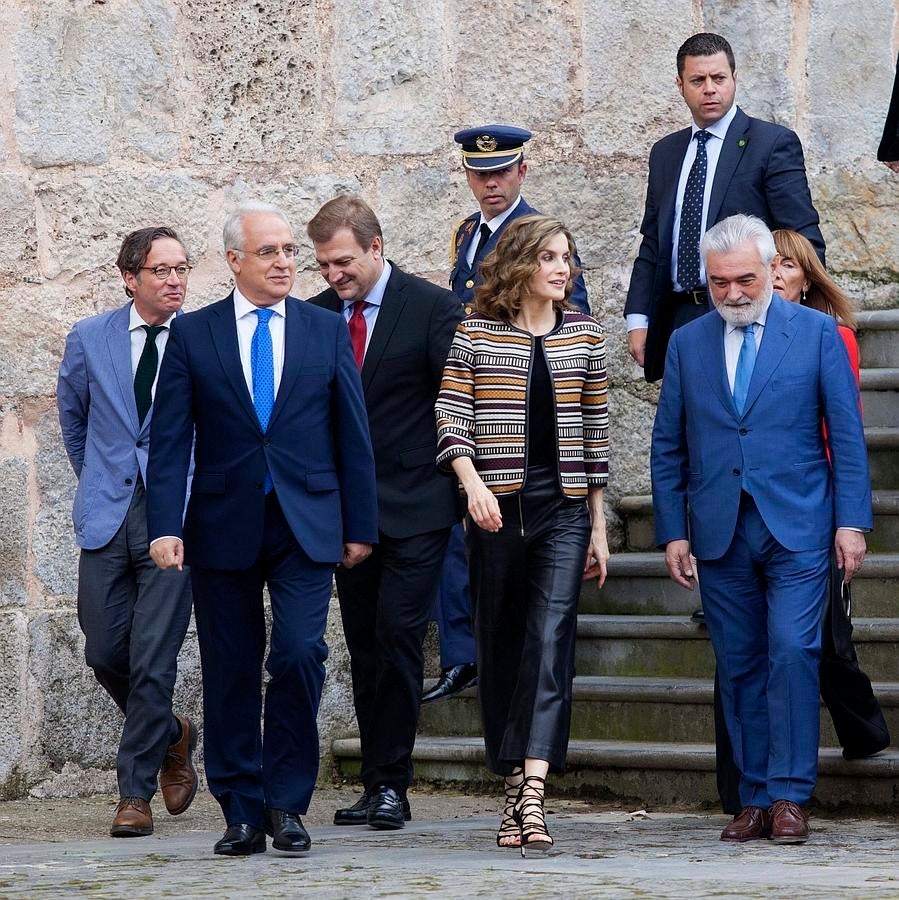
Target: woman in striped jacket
x,y
522,420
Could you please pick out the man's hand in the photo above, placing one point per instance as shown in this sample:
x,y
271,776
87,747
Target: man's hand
x,y
680,563
636,345
353,554
850,549
168,553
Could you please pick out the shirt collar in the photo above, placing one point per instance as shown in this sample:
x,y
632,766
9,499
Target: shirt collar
x,y
496,221
376,294
719,128
243,307
760,319
135,321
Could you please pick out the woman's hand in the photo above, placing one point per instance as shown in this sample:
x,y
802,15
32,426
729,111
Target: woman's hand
x,y
595,565
482,504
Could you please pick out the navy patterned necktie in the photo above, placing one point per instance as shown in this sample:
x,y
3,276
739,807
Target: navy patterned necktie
x,y
691,218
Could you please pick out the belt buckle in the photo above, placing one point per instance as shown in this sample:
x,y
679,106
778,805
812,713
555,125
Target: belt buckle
x,y
699,296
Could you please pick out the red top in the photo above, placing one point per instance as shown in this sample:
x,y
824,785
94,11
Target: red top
x,y
849,339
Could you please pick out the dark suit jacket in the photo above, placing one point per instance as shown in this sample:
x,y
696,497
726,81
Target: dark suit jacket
x,y
761,171
400,377
317,446
461,274
889,144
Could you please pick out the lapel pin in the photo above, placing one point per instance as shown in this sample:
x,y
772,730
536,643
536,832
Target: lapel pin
x,y
741,142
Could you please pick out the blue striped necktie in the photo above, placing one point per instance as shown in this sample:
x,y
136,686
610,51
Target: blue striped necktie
x,y
262,364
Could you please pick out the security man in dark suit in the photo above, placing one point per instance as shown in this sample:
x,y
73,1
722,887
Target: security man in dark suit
x,y
493,157
724,163
401,328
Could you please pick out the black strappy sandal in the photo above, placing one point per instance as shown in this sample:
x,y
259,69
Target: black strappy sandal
x,y
508,827
529,816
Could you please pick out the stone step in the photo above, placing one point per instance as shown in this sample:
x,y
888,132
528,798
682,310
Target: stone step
x,y
880,397
883,458
642,774
633,709
638,584
640,535
674,646
878,338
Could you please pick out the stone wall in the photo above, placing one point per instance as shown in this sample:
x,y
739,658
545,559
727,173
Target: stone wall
x,y
117,114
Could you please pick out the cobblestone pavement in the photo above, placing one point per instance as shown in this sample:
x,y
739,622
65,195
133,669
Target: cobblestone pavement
x,y
447,851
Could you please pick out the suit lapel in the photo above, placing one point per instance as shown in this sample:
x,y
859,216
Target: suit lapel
x,y
296,339
223,326
776,340
728,160
388,315
118,343
712,349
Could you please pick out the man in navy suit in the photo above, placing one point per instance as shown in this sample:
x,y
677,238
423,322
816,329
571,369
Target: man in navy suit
x,y
401,327
283,490
725,163
133,615
740,475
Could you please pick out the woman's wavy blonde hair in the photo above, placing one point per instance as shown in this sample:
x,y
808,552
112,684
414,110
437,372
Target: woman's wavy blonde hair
x,y
507,270
823,293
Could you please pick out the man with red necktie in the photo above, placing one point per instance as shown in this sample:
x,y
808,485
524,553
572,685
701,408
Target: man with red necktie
x,y
401,328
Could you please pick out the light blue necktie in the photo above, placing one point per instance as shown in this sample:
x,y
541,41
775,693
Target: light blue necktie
x,y
262,364
745,365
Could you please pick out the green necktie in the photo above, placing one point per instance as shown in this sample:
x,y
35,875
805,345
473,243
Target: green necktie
x,y
146,372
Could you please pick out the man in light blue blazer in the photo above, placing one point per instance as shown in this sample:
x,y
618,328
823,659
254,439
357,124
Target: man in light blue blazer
x,y
133,614
741,475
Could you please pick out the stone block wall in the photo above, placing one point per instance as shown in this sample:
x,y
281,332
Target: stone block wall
x,y
116,114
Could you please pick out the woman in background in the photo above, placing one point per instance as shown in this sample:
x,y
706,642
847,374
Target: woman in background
x,y
522,420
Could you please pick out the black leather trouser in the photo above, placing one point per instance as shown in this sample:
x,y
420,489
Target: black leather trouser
x,y
525,584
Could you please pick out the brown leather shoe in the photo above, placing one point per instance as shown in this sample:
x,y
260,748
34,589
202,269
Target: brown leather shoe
x,y
751,824
789,823
132,818
178,777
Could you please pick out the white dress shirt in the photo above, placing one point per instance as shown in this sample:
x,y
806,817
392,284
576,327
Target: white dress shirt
x,y
718,132
733,341
139,339
247,320
492,224
373,304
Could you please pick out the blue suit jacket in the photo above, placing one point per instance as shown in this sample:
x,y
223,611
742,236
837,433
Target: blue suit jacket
x,y
461,274
761,171
316,447
701,448
98,417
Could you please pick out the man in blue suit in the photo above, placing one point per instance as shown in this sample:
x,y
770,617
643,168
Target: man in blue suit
x,y
725,163
740,475
133,615
283,490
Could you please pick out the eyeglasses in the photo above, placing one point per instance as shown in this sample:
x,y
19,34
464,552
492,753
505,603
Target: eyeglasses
x,y
163,272
291,251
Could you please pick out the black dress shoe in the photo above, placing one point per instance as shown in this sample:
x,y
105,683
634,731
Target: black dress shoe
x,y
697,617
287,831
241,840
451,681
386,811
357,814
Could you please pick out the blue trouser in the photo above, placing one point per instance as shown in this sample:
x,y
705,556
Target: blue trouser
x,y
245,770
764,606
452,611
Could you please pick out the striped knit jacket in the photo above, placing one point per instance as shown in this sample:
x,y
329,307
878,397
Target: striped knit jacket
x,y
482,405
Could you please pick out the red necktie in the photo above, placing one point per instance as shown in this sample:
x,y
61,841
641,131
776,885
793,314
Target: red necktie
x,y
358,331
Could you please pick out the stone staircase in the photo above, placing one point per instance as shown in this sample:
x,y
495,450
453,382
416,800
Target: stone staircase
x,y
642,723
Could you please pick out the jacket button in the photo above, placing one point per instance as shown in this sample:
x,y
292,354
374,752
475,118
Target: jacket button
x,y
139,444
266,443
736,471
127,481
743,431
